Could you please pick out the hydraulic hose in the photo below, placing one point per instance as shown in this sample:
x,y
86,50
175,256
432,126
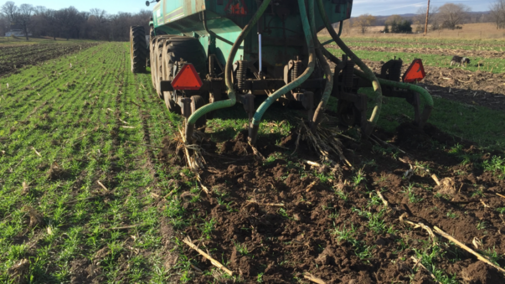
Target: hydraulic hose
x,y
204,21
411,87
253,129
425,95
326,68
368,73
341,25
232,98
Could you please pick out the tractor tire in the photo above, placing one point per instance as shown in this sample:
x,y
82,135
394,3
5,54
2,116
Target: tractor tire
x,y
189,50
138,49
156,48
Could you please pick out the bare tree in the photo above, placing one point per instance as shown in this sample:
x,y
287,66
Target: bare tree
x,y
10,10
364,22
498,13
420,17
393,19
97,24
451,15
18,16
69,22
38,10
38,24
24,17
4,24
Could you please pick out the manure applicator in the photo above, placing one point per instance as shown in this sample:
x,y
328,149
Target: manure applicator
x,y
207,55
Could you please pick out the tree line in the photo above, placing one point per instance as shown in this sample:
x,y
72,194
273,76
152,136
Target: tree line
x,y
447,16
70,23
498,14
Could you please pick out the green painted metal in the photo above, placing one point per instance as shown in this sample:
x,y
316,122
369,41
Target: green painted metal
x,y
228,74
184,17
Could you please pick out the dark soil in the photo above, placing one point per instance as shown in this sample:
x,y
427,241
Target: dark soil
x,y
56,172
275,220
445,45
423,50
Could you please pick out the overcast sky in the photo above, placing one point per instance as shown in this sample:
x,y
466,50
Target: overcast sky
x,y
374,7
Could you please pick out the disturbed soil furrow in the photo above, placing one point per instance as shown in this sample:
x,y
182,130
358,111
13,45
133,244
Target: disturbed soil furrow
x,y
447,45
439,51
337,228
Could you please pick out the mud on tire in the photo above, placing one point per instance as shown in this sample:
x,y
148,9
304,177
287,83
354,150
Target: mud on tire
x,y
138,49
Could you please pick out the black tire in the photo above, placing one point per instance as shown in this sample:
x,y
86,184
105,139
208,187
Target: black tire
x,y
148,58
189,50
157,47
196,103
138,49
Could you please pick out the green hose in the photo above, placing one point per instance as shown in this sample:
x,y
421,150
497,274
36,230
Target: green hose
x,y
341,25
369,74
411,87
253,130
326,68
232,98
425,95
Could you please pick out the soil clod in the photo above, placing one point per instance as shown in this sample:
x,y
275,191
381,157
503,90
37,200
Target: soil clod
x,y
19,272
56,172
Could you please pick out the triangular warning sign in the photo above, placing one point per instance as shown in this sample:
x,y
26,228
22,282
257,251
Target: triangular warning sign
x,y
236,7
415,72
187,79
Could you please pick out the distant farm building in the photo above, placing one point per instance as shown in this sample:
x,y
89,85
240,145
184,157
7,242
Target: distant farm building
x,y
16,30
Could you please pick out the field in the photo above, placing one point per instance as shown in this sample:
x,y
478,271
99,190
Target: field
x,y
479,83
94,186
472,31
16,53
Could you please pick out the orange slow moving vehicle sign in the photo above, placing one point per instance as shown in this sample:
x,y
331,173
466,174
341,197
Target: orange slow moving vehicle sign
x,y
236,7
187,79
415,72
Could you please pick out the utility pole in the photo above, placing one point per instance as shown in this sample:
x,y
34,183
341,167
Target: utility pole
x,y
426,21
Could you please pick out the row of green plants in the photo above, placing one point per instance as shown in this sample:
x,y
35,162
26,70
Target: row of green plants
x,y
71,116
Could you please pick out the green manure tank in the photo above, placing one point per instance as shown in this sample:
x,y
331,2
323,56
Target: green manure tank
x,y
217,25
206,55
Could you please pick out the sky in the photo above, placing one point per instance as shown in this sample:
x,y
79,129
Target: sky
x,y
391,7
374,7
